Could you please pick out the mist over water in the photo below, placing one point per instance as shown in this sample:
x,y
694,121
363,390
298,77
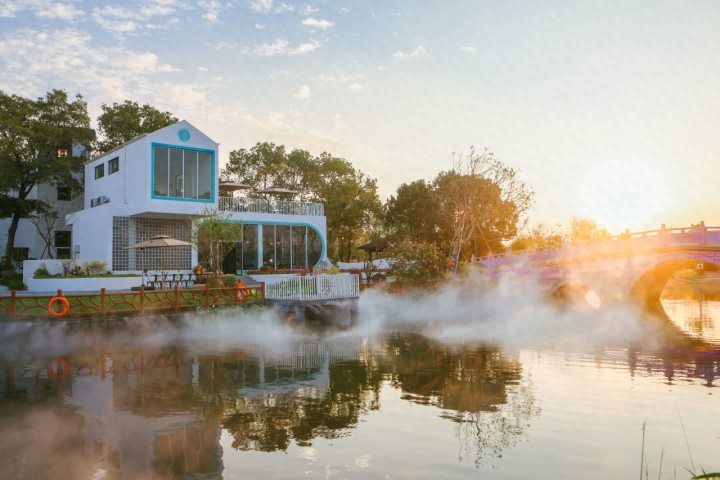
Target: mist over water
x,y
474,376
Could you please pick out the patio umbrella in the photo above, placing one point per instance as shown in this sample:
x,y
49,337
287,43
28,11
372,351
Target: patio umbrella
x,y
158,241
277,191
229,186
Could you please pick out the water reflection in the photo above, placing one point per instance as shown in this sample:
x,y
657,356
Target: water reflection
x,y
114,411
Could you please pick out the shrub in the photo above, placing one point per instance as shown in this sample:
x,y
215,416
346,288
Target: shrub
x,y
95,267
41,272
214,281
8,274
15,283
418,262
230,280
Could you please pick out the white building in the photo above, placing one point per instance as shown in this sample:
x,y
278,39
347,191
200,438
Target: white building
x,y
157,183
46,235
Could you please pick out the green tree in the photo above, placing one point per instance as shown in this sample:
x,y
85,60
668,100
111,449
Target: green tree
x,y
482,201
417,262
214,237
351,200
37,144
541,236
414,213
351,203
121,122
583,230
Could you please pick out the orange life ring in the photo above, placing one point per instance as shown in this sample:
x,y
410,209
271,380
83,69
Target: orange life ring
x,y
242,293
58,368
59,313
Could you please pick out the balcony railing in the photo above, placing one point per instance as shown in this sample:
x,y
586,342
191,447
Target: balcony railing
x,y
283,207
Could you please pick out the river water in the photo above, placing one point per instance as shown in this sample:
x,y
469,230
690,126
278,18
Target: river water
x,y
534,393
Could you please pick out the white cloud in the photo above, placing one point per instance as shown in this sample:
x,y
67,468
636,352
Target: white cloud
x,y
312,22
308,10
283,7
269,6
282,47
259,26
202,69
278,47
340,78
305,48
418,52
356,86
39,60
147,15
212,9
468,49
261,6
303,93
40,8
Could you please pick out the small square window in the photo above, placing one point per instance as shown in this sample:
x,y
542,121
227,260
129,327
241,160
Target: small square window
x,y
62,152
100,171
113,165
64,193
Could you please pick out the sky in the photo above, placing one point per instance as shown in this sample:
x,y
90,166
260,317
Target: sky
x,y
609,110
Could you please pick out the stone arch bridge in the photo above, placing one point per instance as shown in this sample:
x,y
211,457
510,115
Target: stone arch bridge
x,y
631,267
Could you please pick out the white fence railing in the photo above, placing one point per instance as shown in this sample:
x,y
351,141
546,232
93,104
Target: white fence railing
x,y
285,207
320,287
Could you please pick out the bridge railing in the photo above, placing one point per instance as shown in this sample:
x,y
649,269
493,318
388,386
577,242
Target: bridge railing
x,y
699,235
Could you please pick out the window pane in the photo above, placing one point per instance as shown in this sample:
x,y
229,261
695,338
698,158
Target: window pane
x,y
205,174
100,171
268,246
298,247
113,165
161,172
314,247
282,240
176,173
250,247
190,189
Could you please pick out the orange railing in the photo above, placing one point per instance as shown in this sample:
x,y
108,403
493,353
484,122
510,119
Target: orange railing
x,y
124,303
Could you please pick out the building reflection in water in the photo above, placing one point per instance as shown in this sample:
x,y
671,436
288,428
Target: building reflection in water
x,y
159,413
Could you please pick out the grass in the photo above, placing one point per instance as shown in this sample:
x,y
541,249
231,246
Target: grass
x,y
695,476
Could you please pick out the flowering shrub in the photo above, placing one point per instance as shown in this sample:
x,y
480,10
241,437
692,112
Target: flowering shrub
x,y
417,262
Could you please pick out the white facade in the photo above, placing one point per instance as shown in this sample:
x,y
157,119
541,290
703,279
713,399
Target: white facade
x,y
163,181
29,242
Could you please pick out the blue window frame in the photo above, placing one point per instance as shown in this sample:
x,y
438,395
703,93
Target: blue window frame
x,y
182,173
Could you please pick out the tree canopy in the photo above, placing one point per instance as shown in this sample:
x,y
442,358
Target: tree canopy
x,y
350,197
469,210
121,122
38,141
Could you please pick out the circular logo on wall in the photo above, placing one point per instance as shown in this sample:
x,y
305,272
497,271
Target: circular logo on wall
x,y
184,134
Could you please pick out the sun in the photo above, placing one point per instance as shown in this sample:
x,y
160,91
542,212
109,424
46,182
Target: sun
x,y
627,193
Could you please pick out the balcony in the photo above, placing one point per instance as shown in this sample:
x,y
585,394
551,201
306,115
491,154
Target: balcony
x,y
282,207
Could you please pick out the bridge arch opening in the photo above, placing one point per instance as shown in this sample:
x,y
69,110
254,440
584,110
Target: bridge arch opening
x,y
647,289
576,295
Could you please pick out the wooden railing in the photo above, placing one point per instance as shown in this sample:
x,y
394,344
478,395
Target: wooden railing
x,y
320,287
119,303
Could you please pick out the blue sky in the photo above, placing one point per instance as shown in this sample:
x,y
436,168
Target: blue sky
x,y
610,110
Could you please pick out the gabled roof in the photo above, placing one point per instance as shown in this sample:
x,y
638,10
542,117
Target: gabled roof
x,y
119,147
138,137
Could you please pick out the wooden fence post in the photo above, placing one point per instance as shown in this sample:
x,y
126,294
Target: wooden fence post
x,y
13,295
142,298
207,294
102,301
177,305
